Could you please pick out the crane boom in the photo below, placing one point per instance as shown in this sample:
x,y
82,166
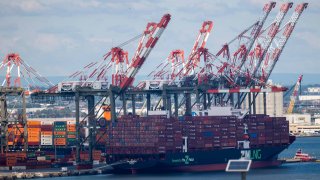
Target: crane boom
x,y
200,43
260,51
241,45
147,42
275,52
255,33
294,95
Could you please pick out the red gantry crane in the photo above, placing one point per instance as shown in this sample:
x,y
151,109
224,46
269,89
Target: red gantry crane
x,y
275,50
175,67
192,64
146,44
117,60
13,62
241,45
263,42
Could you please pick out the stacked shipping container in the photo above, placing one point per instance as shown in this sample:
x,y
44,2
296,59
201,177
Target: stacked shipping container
x,y
46,133
59,130
158,134
71,133
34,128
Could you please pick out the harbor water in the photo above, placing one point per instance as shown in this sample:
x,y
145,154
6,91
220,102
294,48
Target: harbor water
x,y
293,171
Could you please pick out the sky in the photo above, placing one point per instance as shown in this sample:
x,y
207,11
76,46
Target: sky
x,y
58,37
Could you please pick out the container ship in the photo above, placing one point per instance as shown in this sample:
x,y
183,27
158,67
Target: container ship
x,y
194,143
154,143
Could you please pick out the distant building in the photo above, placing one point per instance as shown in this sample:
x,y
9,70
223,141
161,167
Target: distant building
x,y
317,121
304,129
299,119
309,97
314,89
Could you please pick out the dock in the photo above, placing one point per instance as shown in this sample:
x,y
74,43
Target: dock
x,y
7,175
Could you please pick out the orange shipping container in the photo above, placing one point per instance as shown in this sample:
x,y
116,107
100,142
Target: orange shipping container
x,y
71,136
34,140
71,129
60,140
33,123
46,133
34,130
31,133
59,133
107,115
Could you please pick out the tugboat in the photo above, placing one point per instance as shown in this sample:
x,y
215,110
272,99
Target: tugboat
x,y
303,157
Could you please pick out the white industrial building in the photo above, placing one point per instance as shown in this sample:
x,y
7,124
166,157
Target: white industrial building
x,y
309,97
300,119
305,130
314,89
274,103
317,121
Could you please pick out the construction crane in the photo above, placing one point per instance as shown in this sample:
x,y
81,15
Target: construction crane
x,y
294,95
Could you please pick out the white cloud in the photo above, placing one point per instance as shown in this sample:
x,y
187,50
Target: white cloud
x,y
24,6
52,42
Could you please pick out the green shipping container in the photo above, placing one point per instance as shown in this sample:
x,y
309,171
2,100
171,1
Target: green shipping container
x,y
59,136
59,129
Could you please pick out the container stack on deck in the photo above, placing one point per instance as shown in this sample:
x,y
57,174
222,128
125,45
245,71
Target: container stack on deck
x,y
71,133
46,133
34,128
60,133
158,134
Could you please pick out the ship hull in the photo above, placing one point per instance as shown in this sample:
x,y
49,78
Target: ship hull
x,y
197,161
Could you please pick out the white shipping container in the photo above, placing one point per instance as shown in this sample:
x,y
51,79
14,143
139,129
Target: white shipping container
x,y
16,168
3,168
96,162
41,158
46,140
71,122
157,113
46,136
46,122
46,143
